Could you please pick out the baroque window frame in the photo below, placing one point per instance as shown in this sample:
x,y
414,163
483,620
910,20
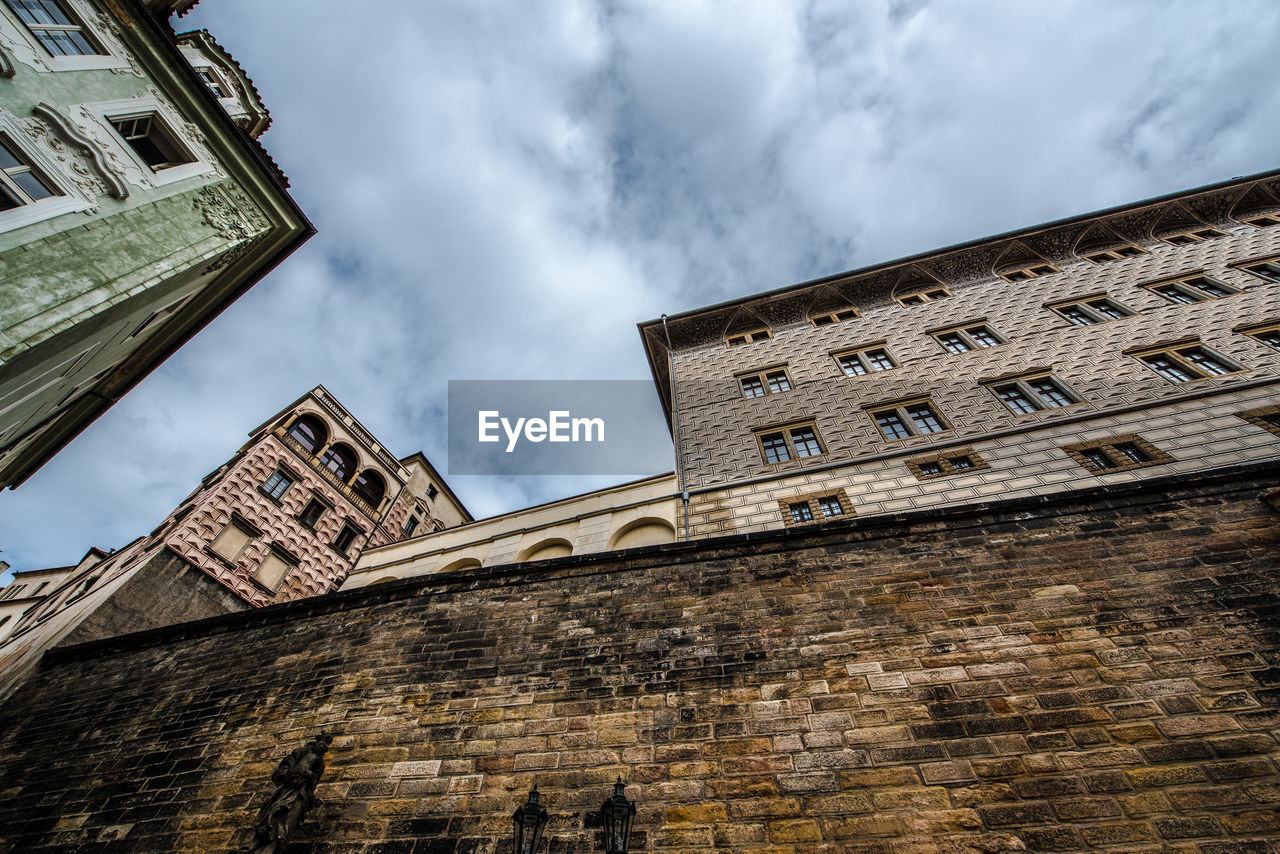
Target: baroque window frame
x,y
71,198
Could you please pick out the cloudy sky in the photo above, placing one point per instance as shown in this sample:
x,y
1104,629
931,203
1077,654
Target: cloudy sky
x,y
503,190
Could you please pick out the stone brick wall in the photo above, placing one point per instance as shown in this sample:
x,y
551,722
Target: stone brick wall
x,y
1095,672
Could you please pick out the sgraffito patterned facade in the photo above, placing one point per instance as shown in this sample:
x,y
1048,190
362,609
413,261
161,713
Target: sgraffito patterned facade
x,y
1197,423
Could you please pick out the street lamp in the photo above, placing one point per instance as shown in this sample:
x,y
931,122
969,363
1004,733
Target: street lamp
x,y
527,824
615,816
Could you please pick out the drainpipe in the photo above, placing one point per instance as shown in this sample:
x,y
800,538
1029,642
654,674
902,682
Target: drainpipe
x,y
675,409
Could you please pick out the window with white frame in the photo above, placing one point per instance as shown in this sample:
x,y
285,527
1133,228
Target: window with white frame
x,y
1024,395
911,418
865,360
33,187
968,337
1186,363
1191,289
213,82
20,182
152,141
1087,312
55,26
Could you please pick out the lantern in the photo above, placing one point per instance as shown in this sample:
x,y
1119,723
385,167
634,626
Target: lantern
x,y
615,817
527,824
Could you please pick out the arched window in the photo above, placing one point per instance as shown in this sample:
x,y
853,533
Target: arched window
x,y
340,460
370,486
308,431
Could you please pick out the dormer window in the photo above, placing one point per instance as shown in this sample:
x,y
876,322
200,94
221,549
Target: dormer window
x,y
1195,235
922,297
833,317
1035,271
748,337
1115,254
211,80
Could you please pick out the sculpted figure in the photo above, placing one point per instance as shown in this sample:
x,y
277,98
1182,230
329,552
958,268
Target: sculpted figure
x,y
295,777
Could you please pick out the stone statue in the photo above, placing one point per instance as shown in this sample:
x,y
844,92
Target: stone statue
x,y
295,777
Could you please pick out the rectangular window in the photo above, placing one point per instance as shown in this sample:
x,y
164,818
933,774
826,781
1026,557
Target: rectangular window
x,y
1195,235
968,337
801,513
760,383
54,26
277,485
273,569
1105,255
833,317
1269,336
805,441
1269,270
856,363
410,525
945,465
1119,453
815,507
232,541
311,514
345,538
20,183
1098,458
1187,364
830,506
797,442
1032,394
1035,271
775,448
1192,289
151,141
908,419
748,337
1089,312
924,296
211,80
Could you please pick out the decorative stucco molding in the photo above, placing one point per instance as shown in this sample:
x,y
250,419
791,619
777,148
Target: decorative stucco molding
x,y
113,181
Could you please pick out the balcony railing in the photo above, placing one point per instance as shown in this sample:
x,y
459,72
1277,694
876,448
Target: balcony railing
x,y
347,492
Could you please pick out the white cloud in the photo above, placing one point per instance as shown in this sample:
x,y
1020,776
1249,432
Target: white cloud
x,y
503,190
